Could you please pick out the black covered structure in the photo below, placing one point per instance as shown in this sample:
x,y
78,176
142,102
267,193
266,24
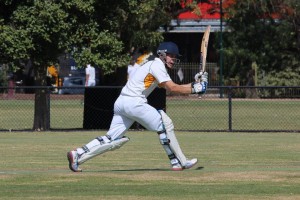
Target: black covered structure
x,y
99,104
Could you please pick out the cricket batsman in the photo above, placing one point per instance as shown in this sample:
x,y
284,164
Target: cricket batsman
x,y
132,106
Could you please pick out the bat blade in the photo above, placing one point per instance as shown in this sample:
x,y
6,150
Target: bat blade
x,y
203,49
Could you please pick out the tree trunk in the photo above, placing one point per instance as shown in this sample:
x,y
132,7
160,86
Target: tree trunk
x,y
42,100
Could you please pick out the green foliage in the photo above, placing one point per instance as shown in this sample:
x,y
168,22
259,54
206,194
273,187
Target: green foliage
x,y
257,36
14,44
286,77
3,77
101,32
98,31
135,22
105,50
35,32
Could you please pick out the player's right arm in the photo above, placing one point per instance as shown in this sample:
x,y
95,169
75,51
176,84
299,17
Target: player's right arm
x,y
191,88
175,88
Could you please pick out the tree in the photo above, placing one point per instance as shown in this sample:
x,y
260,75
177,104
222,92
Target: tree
x,y
97,31
136,21
262,32
41,30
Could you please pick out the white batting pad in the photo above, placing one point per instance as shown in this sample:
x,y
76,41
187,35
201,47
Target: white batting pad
x,y
102,148
174,145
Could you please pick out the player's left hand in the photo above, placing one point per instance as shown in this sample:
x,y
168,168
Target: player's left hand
x,y
201,77
199,88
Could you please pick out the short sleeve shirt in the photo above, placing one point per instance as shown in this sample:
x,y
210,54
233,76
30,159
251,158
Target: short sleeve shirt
x,y
91,72
146,78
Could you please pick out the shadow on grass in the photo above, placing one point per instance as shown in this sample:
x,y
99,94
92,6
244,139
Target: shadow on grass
x,y
136,170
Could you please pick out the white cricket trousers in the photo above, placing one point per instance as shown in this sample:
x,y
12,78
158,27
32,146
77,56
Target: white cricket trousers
x,y
91,83
127,110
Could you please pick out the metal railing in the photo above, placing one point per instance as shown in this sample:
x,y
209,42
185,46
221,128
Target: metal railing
x,y
256,109
185,72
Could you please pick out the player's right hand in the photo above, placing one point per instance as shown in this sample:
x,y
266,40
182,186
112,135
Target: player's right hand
x,y
201,76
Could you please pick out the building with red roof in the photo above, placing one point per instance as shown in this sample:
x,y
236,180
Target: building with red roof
x,y
207,13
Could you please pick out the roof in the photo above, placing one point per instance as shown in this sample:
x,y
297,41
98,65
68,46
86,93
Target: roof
x,y
193,26
189,21
208,11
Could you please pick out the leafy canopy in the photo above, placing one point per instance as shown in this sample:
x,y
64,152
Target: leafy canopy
x,y
266,33
97,31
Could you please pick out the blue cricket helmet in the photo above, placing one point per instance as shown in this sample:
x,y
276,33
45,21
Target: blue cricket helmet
x,y
168,47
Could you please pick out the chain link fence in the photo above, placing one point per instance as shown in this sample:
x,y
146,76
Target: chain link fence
x,y
256,109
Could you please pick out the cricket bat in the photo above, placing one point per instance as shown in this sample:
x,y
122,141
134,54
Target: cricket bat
x,y
203,49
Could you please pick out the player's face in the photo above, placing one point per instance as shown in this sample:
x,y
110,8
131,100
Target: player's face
x,y
171,60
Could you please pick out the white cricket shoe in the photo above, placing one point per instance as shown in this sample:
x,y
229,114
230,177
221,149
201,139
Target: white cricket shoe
x,y
73,161
189,164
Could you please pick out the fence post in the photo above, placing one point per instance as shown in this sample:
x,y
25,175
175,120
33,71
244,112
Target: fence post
x,y
48,106
230,109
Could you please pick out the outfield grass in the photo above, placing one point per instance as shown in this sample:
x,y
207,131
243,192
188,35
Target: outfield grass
x,y
212,114
186,113
231,166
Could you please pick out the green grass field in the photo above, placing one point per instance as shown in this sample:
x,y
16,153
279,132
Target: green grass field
x,y
231,166
186,113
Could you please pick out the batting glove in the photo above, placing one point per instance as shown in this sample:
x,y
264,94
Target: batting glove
x,y
201,76
199,88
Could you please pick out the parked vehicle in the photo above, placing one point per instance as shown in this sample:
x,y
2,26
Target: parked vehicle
x,y
72,85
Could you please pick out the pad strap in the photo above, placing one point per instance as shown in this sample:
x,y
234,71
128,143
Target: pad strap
x,y
169,134
166,144
100,139
85,149
98,149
